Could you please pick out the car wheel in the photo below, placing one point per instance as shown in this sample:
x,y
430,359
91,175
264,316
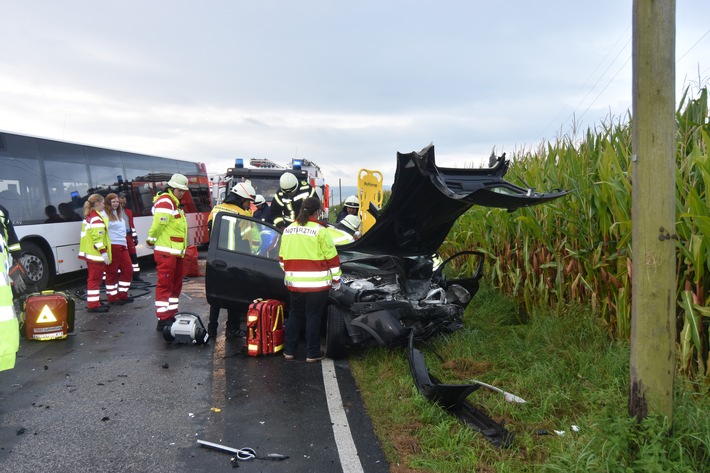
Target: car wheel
x,y
36,266
335,334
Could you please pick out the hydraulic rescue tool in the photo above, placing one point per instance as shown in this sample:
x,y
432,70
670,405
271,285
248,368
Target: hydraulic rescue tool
x,y
187,328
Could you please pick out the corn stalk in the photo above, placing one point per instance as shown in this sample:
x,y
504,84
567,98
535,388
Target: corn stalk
x,y
578,249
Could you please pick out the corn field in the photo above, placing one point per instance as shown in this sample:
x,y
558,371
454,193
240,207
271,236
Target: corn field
x,y
578,249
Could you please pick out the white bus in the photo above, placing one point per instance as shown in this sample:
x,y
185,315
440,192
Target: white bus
x,y
44,184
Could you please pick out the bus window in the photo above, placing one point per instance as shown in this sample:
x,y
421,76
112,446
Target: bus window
x,y
21,189
67,173
105,170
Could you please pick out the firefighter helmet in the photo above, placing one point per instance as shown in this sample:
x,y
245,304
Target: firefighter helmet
x,y
288,182
178,181
352,222
259,199
244,190
352,202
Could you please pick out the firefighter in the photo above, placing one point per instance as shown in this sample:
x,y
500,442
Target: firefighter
x,y
311,266
263,211
237,202
351,225
11,278
339,236
168,238
286,203
95,249
351,206
131,237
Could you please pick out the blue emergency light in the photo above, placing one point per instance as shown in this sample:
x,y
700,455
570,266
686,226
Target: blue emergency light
x,y
297,164
239,162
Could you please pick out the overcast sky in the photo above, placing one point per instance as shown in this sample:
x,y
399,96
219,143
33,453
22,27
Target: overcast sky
x,y
345,84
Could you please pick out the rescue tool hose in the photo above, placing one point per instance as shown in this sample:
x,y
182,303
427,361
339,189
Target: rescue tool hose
x,y
243,454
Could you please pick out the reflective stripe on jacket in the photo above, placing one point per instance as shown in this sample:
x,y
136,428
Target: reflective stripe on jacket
x,y
168,231
309,258
248,231
9,325
94,238
131,225
340,237
8,232
285,207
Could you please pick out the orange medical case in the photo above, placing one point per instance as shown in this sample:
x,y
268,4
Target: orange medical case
x,y
48,315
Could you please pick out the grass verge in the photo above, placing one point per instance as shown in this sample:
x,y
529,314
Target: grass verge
x,y
569,372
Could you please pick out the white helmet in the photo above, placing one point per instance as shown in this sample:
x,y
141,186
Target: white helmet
x,y
288,182
178,181
352,202
244,190
352,222
259,199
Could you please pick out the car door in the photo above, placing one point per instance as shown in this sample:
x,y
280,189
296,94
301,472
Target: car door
x,y
243,262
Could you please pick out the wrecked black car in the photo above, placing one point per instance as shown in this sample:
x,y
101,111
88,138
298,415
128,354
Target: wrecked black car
x,y
393,282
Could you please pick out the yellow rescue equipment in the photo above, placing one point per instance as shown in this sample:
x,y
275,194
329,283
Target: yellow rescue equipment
x,y
369,185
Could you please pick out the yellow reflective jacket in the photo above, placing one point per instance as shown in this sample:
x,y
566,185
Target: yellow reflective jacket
x,y
94,238
9,326
309,258
168,231
248,231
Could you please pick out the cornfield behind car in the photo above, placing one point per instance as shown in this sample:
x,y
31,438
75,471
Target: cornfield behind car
x,y
579,250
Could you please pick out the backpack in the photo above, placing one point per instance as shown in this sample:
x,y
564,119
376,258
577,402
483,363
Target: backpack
x,y
265,327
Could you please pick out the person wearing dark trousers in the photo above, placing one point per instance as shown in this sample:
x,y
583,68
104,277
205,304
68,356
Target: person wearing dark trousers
x,y
238,201
312,267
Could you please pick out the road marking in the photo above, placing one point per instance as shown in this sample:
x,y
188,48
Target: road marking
x,y
349,459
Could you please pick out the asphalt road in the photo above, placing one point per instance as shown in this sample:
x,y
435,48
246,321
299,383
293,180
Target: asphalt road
x,y
115,396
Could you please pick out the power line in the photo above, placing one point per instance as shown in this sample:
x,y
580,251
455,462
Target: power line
x,y
572,115
693,46
589,77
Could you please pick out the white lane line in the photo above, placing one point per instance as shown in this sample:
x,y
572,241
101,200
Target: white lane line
x,y
349,459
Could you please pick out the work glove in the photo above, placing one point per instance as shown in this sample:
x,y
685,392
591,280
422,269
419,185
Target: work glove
x,y
17,274
105,257
149,243
135,240
335,285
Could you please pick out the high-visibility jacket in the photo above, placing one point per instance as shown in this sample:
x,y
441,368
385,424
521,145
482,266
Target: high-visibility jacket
x,y
8,232
285,207
340,237
94,238
309,258
168,231
248,231
9,325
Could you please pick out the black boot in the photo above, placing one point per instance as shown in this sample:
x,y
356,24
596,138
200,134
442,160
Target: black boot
x,y
212,329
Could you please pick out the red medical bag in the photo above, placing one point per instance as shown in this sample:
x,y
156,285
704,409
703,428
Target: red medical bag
x,y
265,327
190,266
48,315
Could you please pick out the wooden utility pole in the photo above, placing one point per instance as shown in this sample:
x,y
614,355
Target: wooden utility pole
x,y
653,333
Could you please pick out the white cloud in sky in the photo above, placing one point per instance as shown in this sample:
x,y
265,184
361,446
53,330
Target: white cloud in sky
x,y
344,84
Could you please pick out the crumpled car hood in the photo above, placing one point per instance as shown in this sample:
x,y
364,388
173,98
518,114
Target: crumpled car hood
x,y
426,201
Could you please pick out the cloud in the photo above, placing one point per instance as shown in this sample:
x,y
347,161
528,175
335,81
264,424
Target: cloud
x,y
346,85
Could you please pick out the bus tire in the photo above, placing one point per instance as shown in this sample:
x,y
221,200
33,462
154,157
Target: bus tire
x,y
36,266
